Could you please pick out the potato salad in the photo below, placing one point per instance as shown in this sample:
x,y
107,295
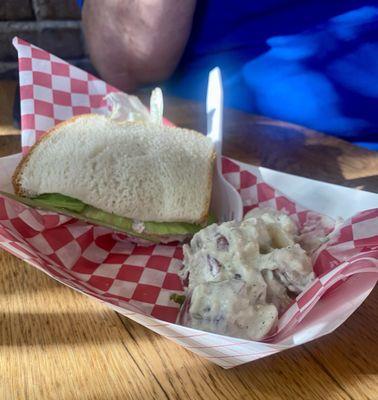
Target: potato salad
x,y
243,275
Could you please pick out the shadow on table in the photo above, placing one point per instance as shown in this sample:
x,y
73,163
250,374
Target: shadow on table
x,y
296,150
54,328
9,144
369,183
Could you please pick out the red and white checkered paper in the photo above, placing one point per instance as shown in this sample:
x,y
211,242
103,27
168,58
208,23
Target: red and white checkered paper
x,y
138,281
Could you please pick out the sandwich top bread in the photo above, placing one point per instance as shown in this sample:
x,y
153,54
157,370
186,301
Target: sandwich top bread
x,y
141,171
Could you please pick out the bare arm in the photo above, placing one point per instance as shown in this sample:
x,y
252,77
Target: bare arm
x,y
134,42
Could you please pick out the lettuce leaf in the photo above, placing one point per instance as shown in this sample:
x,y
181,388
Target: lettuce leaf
x,y
57,201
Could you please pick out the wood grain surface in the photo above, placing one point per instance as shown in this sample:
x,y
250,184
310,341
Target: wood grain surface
x,y
59,344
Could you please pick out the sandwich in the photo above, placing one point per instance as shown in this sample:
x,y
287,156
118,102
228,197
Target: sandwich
x,y
151,181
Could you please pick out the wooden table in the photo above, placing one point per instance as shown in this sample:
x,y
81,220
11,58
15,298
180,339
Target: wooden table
x,y
58,344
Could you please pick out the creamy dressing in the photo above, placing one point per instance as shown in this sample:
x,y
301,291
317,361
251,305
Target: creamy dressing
x,y
242,275
138,226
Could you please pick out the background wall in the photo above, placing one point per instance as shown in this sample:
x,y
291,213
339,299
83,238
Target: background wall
x,y
53,25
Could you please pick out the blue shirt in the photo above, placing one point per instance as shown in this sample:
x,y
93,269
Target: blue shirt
x,y
314,63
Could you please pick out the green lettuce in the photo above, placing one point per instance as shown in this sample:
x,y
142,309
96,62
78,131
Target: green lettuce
x,y
76,208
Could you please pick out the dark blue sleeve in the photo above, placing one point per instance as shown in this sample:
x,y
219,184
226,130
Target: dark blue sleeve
x,y
80,3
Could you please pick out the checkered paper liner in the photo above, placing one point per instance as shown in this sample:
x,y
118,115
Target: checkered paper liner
x,y
138,281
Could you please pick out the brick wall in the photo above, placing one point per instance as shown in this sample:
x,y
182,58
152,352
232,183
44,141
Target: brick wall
x,y
53,25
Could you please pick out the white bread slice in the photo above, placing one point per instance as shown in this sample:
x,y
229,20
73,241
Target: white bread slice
x,y
136,170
